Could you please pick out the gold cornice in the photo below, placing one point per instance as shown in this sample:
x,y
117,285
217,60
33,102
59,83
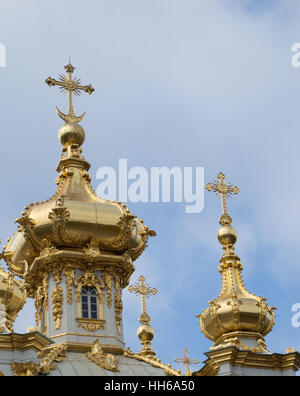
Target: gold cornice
x,y
86,347
22,342
87,335
154,361
248,359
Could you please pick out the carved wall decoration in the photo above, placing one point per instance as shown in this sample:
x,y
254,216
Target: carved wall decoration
x,y
59,216
56,272
118,311
92,250
28,369
69,274
57,300
107,277
118,303
91,325
50,355
105,360
126,223
47,249
26,225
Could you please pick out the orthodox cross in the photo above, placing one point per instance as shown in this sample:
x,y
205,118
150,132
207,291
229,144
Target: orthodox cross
x,y
224,191
187,361
71,85
144,291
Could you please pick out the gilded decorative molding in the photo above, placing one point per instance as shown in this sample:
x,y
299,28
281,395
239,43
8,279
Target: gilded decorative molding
x,y
92,250
108,277
69,274
49,355
57,300
118,311
105,360
154,361
47,249
145,234
28,369
59,216
248,359
91,325
234,340
26,225
56,272
126,223
118,302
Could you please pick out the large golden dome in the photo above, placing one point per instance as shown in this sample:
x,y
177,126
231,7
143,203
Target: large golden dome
x,y
75,217
75,222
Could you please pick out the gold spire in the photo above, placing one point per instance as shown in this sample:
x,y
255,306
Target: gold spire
x,y
70,85
235,317
187,361
145,332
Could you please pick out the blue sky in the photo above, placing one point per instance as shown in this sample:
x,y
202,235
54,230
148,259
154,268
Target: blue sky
x,y
178,83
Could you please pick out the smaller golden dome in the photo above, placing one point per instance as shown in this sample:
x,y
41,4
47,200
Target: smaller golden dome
x,y
71,133
12,300
236,314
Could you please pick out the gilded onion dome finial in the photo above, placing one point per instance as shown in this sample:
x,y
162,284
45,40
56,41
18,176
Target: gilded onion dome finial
x,y
145,332
236,317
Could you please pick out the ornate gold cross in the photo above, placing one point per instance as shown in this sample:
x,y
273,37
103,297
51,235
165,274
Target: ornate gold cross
x,y
144,291
72,85
187,361
224,191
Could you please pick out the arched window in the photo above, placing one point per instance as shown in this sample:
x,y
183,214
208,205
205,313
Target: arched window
x,y
89,302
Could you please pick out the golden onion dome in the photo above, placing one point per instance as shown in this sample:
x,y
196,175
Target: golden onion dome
x,y
12,300
75,217
235,315
235,309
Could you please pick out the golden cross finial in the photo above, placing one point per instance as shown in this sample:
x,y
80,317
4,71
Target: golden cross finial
x,y
187,361
72,85
144,291
224,191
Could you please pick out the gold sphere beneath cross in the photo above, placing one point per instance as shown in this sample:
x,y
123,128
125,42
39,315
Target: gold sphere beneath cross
x,y
227,235
71,133
145,332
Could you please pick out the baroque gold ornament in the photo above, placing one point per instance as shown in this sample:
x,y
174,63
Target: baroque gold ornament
x,y
72,86
235,316
145,332
57,300
105,360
